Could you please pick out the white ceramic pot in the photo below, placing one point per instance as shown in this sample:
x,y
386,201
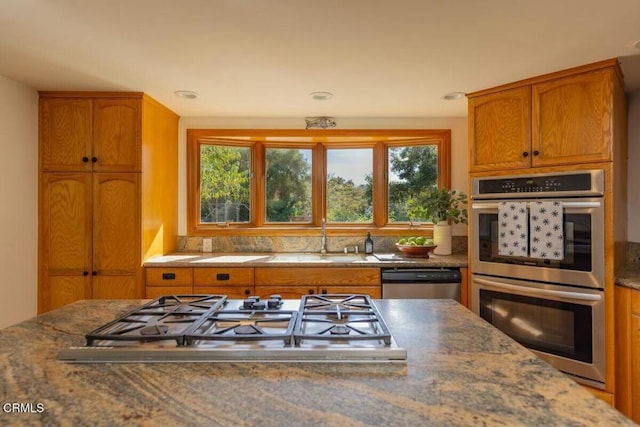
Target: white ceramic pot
x,y
442,238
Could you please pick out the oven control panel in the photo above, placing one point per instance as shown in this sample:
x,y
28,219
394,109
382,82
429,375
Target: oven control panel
x,y
575,183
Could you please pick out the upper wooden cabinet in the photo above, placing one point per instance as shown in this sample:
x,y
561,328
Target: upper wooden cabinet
x,y
500,130
572,119
108,193
81,134
558,119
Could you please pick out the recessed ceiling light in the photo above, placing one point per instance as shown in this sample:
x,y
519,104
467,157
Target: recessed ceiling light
x,y
453,96
321,96
188,94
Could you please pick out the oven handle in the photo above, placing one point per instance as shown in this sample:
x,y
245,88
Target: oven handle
x,y
482,205
542,292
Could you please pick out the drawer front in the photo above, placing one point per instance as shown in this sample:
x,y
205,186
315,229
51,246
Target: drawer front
x,y
169,276
286,292
318,276
223,276
232,292
372,291
152,292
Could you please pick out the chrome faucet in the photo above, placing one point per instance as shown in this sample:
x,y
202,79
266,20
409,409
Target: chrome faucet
x,y
323,237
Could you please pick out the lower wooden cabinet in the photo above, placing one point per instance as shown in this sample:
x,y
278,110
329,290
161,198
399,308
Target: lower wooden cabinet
x,y
295,282
600,394
627,302
168,281
295,292
242,282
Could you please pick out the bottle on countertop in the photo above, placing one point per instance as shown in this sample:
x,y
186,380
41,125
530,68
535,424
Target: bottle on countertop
x,y
368,244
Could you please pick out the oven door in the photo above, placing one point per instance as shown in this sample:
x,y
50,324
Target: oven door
x,y
583,263
563,325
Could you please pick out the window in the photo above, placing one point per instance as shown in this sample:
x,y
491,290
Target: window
x,y
224,184
287,181
288,185
411,170
349,185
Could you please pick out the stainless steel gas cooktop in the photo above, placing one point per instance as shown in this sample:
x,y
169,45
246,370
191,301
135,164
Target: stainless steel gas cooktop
x,y
211,328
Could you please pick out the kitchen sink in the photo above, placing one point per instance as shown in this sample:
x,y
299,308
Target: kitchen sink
x,y
310,257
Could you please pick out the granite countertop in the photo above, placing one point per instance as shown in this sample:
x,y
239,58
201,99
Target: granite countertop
x,y
459,371
245,259
629,276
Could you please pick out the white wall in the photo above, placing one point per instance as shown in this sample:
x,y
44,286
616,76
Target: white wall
x,y
19,206
458,126
633,194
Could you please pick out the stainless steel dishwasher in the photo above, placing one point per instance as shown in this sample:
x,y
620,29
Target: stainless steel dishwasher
x,y
414,283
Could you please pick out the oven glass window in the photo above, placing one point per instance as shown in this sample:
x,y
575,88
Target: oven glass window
x,y
577,245
559,328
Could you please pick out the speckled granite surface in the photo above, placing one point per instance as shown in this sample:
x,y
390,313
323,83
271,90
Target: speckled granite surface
x,y
248,259
629,276
460,372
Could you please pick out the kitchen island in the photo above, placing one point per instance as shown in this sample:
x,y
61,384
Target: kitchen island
x,y
459,371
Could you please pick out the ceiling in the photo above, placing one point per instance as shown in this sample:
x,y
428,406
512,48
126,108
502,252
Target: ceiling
x,y
259,58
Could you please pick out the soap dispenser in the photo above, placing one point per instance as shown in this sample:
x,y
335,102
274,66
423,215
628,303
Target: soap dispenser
x,y
368,244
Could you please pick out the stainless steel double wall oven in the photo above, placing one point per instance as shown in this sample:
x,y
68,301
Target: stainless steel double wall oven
x,y
553,305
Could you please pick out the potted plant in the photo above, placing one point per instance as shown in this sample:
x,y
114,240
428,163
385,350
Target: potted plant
x,y
443,207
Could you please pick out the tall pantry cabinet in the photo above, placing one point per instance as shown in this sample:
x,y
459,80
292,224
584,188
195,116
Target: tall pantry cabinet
x,y
107,193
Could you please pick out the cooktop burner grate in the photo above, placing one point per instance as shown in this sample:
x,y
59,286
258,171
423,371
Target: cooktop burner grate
x,y
243,325
340,318
168,317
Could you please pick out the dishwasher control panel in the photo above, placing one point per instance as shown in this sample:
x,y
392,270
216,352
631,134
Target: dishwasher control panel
x,y
421,275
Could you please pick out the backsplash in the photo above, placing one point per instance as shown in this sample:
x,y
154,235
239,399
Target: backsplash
x,y
297,244
633,253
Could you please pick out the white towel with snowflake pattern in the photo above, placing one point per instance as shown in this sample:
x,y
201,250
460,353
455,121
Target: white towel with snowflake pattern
x,y
512,229
546,230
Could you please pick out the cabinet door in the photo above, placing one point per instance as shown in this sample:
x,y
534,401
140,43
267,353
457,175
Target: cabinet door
x,y
117,135
286,292
572,119
65,134
65,239
116,234
635,367
500,130
232,292
372,291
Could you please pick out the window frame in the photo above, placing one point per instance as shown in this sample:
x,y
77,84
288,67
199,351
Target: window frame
x,y
317,140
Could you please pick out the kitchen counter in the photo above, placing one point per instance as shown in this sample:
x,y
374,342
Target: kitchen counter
x,y
629,276
459,371
303,259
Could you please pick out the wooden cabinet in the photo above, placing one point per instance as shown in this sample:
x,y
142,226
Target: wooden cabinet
x,y
628,352
83,134
500,130
168,281
235,282
295,282
572,119
558,119
65,239
101,212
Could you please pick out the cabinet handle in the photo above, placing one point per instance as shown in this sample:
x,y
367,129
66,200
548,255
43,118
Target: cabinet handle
x,y
324,292
85,159
94,159
525,154
536,152
85,273
94,273
247,291
311,292
223,276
